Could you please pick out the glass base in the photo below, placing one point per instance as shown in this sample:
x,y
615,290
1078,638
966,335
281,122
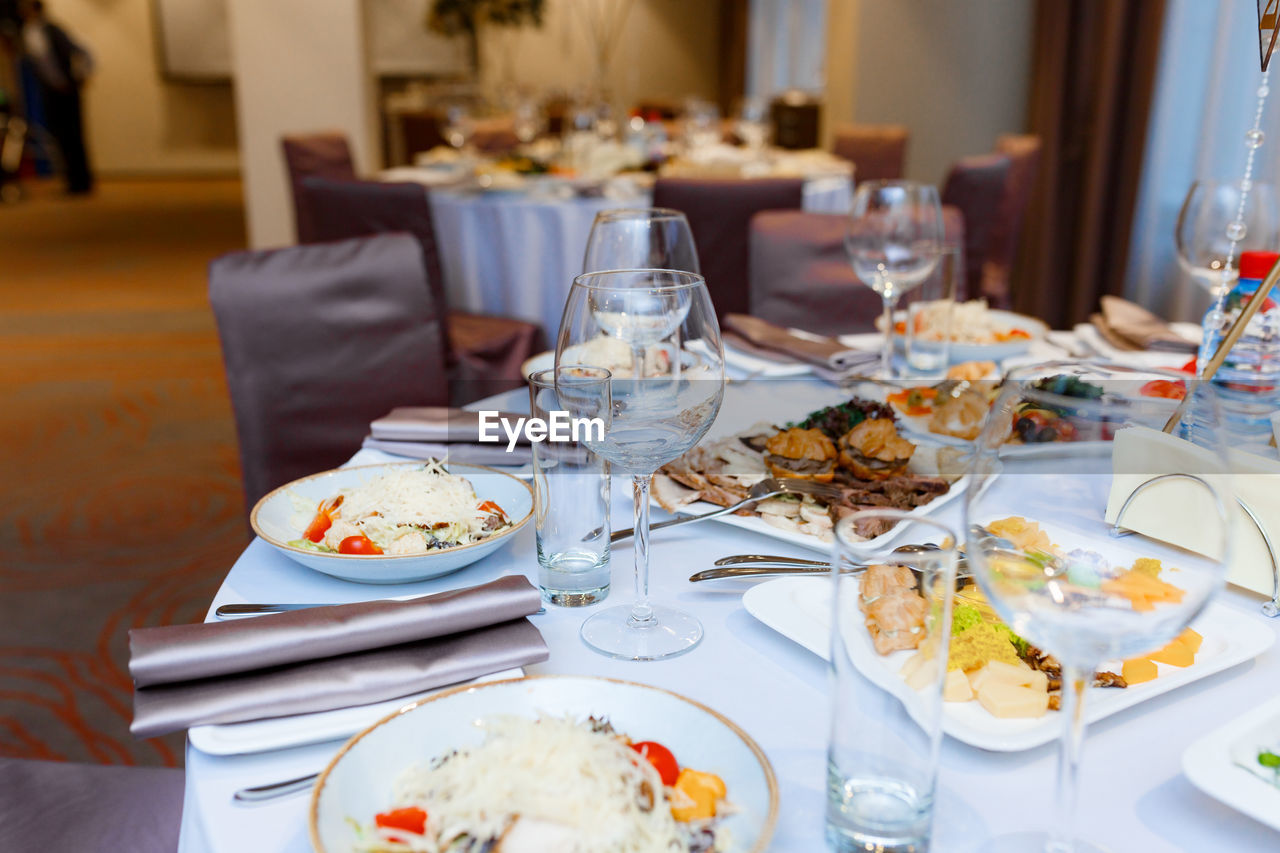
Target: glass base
x,y
575,597
1035,842
669,633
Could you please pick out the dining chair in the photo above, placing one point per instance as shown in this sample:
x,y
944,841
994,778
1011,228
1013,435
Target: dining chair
x,y
719,213
56,805
484,352
318,341
1023,152
976,186
878,151
801,277
326,155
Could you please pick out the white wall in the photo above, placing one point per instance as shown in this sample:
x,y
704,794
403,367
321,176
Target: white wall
x,y
300,66
136,122
956,72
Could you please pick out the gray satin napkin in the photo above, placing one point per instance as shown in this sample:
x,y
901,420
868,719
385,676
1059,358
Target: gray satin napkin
x,y
339,682
796,344
329,657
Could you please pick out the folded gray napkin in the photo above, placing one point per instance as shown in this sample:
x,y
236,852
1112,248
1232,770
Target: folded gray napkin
x,y
795,344
1128,326
438,424
328,657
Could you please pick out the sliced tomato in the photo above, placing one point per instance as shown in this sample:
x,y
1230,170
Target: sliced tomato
x,y
1189,367
1013,335
318,527
1166,388
661,758
411,819
358,544
491,508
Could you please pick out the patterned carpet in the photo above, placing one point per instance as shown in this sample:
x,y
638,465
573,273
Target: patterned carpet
x,y
118,450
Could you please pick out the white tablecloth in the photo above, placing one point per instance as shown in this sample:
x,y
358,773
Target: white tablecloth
x,y
1134,795
516,255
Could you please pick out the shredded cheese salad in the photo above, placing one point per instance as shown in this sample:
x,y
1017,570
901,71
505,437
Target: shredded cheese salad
x,y
411,510
552,784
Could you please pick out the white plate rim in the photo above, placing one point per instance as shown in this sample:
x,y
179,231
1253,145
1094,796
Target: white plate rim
x,y
385,558
771,780
769,602
1208,766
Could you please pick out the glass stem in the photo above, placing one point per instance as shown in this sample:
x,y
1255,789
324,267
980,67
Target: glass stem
x,y
886,348
641,612
1062,836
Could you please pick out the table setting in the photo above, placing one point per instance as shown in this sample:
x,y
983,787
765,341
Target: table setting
x,y
864,575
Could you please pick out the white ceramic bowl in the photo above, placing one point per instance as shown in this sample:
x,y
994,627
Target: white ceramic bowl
x,y
274,519
358,783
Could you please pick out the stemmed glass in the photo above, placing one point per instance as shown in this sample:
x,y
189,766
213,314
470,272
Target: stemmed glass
x,y
893,241
640,238
459,125
662,406
1074,490
1207,223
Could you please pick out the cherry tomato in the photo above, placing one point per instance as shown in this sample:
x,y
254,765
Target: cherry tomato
x,y
411,819
358,544
1164,388
661,758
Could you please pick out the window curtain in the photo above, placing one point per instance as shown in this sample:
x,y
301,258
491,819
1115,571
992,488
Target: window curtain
x,y
1094,65
1204,102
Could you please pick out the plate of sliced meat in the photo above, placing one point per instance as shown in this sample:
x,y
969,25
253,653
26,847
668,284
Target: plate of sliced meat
x,y
855,446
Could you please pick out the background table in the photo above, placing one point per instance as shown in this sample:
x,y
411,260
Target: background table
x,y
515,254
1134,797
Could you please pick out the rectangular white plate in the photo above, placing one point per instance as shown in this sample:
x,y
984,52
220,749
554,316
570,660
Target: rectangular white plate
x,y
800,609
758,525
1210,764
300,729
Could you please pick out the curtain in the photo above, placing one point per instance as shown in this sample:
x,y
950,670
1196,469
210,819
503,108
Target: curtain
x,y
1204,102
1092,81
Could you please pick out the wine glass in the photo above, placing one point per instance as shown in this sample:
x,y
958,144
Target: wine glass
x,y
893,241
752,125
1074,493
640,238
1206,225
459,125
665,398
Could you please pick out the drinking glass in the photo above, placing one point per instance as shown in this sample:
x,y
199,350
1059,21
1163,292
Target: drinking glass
x,y
886,729
929,316
665,398
1074,492
1205,228
527,120
893,240
571,488
459,125
752,124
640,238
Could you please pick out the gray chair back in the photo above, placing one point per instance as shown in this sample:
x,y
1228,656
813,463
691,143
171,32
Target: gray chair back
x,y
325,155
317,342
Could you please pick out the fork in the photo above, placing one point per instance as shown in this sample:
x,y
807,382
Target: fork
x,y
769,487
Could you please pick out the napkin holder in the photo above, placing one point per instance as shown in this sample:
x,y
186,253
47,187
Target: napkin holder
x,y
1155,461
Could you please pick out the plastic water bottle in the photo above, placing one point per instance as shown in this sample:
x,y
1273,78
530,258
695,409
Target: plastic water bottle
x,y
1248,382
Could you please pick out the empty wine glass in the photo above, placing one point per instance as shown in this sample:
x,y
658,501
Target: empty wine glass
x,y
893,240
640,238
1207,223
752,125
1094,535
666,394
459,125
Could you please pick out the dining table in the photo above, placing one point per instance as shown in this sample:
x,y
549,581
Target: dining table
x,y
1134,796
515,252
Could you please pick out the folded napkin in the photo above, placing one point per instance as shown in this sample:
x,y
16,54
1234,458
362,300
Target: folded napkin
x,y
1128,326
439,424
469,454
795,344
328,657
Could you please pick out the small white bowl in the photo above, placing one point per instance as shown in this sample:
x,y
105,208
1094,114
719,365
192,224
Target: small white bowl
x,y
273,519
358,782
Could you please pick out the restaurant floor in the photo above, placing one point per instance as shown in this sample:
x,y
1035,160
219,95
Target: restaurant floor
x,y
122,501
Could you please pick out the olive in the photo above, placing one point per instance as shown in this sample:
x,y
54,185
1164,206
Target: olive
x,y
1047,434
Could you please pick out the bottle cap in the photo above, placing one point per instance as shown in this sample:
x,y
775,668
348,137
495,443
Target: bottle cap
x,y
1256,265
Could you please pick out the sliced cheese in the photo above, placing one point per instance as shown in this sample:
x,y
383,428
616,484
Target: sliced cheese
x,y
1010,700
956,687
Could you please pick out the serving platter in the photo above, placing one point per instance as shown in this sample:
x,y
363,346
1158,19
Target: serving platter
x,y
800,609
275,519
359,781
1212,764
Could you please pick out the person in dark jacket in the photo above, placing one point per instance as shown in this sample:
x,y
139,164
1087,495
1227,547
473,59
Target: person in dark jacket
x,y
61,66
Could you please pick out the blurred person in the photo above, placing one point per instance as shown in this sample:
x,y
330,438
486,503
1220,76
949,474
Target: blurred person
x,y
61,67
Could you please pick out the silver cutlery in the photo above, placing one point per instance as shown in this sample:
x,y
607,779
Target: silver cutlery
x,y
766,488
265,793
761,565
